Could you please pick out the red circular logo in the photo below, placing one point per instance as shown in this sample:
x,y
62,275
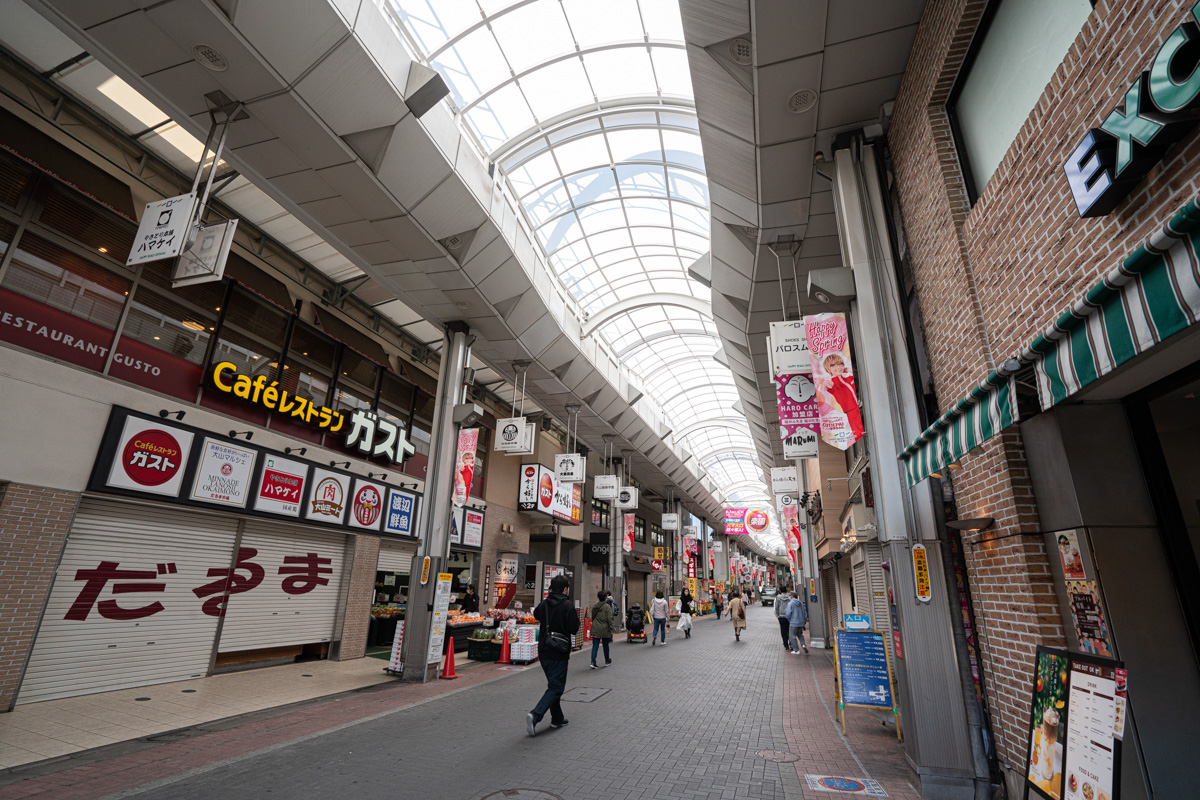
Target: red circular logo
x,y
226,469
152,457
546,492
530,472
757,521
367,505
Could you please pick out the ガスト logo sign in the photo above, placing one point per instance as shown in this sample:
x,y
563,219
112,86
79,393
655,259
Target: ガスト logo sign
x,y
151,458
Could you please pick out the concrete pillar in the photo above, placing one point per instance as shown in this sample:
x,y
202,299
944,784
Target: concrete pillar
x,y
439,487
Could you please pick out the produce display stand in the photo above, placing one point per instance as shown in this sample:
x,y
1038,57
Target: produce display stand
x,y
461,633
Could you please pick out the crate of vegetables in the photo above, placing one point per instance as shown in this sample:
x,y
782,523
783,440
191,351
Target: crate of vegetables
x,y
483,646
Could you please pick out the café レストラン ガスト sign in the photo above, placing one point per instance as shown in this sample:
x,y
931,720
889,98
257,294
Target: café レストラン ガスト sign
x,y
364,431
1159,107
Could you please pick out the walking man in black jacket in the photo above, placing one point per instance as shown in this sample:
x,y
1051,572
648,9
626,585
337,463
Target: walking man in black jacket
x,y
557,615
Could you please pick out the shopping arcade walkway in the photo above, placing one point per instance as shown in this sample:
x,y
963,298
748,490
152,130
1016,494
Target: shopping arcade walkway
x,y
682,721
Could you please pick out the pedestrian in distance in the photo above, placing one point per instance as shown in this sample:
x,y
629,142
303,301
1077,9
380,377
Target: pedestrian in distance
x,y
718,602
602,627
737,613
685,614
558,619
797,617
781,607
659,609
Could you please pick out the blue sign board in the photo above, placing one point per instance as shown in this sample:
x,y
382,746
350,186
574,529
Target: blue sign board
x,y
857,622
863,669
401,513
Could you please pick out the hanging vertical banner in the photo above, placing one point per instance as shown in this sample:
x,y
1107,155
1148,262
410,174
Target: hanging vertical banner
x,y
464,464
833,378
627,541
799,420
735,521
791,526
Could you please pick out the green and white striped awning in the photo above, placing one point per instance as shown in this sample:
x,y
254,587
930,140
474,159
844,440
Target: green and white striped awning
x,y
986,410
1153,294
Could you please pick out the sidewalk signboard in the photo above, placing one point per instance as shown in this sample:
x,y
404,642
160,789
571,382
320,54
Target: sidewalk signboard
x,y
441,608
1076,725
863,673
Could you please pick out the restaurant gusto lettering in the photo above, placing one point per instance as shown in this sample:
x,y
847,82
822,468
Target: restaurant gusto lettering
x,y
1158,107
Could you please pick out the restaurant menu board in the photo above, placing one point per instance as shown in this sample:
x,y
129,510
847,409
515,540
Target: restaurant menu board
x,y
863,673
1076,724
1091,746
223,474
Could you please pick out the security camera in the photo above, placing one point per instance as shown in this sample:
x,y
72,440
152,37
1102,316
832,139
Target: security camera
x,y
831,287
467,414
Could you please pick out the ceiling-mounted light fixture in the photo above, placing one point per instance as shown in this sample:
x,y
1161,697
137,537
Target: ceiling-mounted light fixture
x,y
177,414
235,434
300,450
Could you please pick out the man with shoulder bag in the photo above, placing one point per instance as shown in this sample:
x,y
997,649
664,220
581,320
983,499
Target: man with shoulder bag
x,y
558,618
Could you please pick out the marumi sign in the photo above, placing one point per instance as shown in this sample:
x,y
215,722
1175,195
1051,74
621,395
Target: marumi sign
x,y
1159,107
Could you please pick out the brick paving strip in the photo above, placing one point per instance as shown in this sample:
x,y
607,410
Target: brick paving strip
x,y
868,750
162,762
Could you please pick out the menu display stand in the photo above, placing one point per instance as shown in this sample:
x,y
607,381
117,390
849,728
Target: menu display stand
x,y
862,674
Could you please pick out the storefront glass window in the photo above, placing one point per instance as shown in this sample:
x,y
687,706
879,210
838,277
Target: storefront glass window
x,y
657,538
600,513
639,530
251,338
162,345
56,303
7,231
358,369
14,177
465,569
89,224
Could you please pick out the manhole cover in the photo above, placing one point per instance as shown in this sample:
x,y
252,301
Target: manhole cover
x,y
781,756
521,794
582,694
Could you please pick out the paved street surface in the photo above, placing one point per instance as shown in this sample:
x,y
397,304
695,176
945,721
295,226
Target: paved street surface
x,y
684,721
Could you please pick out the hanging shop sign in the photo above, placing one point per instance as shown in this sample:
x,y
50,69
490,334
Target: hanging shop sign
x,y
367,433
670,522
799,420
833,379
327,503
921,573
150,457
691,531
627,498
715,547
605,487
757,521
784,480
163,230
1157,109
789,348
540,490
464,464
456,524
568,468
515,436
627,541
473,528
735,521
204,260
224,473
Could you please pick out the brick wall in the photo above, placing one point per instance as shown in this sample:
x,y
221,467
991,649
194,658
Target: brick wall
x,y
497,541
990,277
33,527
359,595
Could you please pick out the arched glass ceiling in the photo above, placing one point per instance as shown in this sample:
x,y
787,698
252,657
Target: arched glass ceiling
x,y
587,109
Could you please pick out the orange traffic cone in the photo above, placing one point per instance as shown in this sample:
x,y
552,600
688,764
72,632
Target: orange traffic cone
x,y
448,670
504,657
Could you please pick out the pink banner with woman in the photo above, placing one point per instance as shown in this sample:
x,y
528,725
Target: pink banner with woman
x,y
833,376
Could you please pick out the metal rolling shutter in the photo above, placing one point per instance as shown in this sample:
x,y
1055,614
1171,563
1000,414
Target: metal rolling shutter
x,y
832,598
862,588
284,609
73,657
396,557
881,618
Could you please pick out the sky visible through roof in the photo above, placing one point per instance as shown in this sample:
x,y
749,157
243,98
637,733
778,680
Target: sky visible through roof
x,y
586,107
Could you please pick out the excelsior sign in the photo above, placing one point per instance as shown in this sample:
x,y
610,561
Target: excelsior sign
x,y
1159,107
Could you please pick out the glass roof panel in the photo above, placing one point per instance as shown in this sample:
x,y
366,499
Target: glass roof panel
x,y
587,109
